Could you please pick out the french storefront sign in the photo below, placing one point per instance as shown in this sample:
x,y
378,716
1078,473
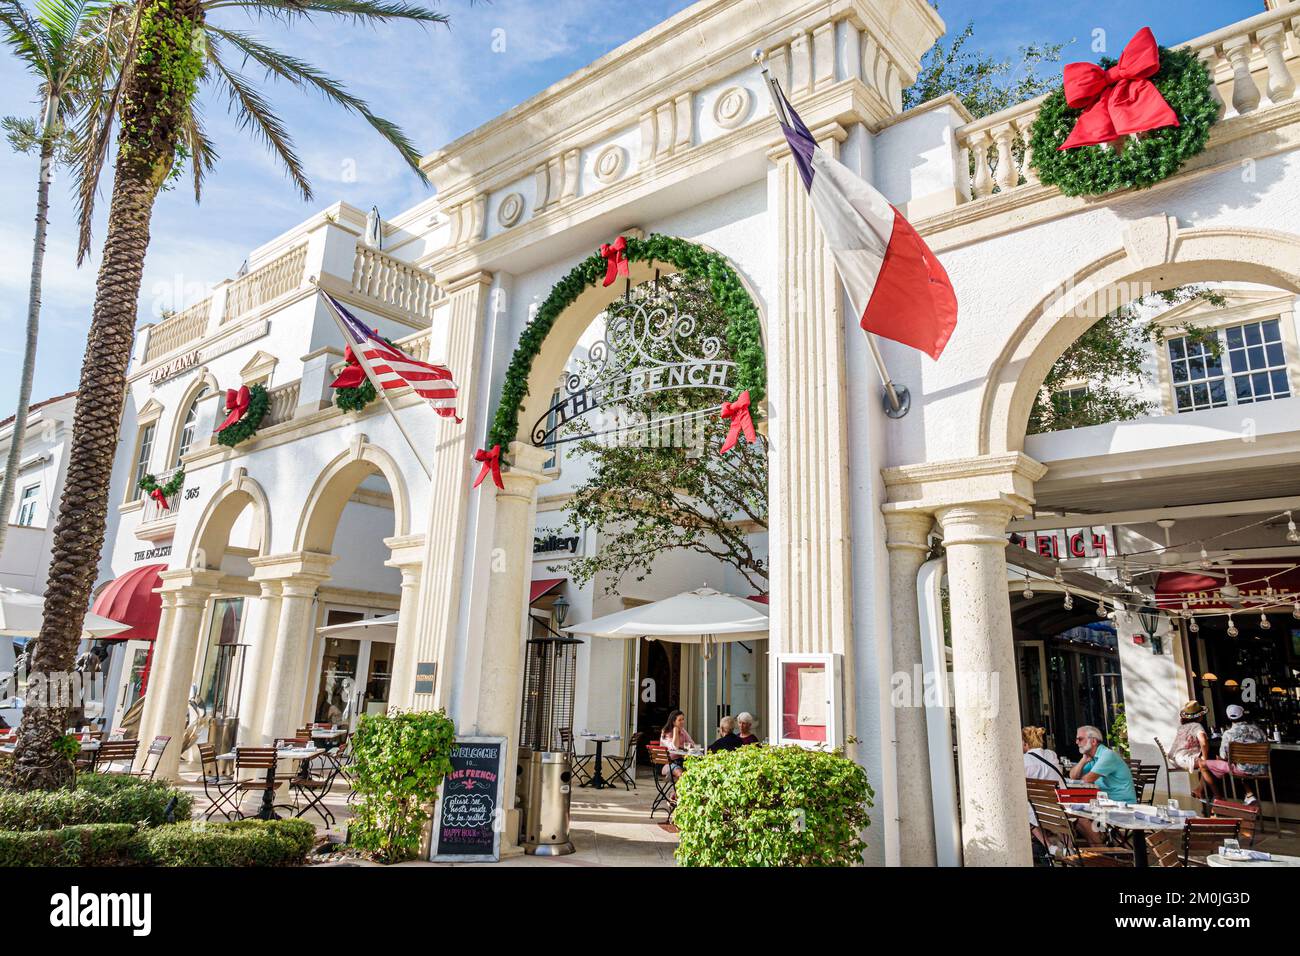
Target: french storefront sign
x,y
1091,542
469,817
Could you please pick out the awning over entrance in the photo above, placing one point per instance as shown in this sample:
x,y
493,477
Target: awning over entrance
x,y
1205,592
542,587
131,600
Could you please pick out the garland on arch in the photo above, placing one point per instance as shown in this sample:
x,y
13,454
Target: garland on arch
x,y
744,331
1142,161
259,402
160,493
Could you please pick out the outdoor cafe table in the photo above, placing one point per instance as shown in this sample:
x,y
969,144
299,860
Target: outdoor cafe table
x,y
598,781
305,754
1218,859
1124,818
87,746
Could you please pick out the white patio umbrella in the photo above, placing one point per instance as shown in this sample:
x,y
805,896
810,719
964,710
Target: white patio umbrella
x,y
383,628
21,614
703,616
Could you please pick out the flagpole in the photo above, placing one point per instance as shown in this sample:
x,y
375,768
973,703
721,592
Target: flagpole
x,y
898,401
383,392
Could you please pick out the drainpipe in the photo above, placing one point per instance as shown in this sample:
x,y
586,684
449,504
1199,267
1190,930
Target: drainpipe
x,y
938,714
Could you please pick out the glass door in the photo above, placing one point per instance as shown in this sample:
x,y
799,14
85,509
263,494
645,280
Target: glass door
x,y
336,699
379,673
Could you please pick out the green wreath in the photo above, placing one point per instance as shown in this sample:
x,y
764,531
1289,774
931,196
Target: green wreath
x,y
1185,84
148,484
356,398
258,404
744,331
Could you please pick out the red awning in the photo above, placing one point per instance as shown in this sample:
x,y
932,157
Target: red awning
x,y
1202,591
542,587
131,600
757,598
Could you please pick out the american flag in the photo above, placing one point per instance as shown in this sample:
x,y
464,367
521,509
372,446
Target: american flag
x,y
388,367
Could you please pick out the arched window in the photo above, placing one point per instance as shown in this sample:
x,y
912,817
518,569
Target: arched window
x,y
187,429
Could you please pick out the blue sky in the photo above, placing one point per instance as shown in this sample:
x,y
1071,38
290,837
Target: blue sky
x,y
448,82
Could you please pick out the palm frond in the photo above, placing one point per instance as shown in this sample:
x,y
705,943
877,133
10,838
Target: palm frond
x,y
254,113
367,11
306,76
203,155
26,36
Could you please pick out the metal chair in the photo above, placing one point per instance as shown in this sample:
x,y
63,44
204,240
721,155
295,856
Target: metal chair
x,y
1261,753
115,751
211,778
1145,775
577,762
665,783
315,790
263,761
624,767
1171,768
155,754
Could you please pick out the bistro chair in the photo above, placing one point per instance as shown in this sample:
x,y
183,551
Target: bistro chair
x,y
115,751
1145,775
1063,850
1171,768
262,762
1202,836
1246,813
1261,753
665,784
284,743
624,767
1165,848
577,762
315,790
219,792
154,754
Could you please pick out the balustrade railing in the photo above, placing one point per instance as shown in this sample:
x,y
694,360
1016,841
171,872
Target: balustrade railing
x,y
177,331
394,282
283,403
280,275
154,510
1255,60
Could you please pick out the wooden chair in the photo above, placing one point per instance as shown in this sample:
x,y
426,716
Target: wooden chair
x,y
1247,813
262,762
624,767
154,754
577,762
1203,836
1165,848
315,790
1145,775
220,793
115,751
665,782
1056,827
1261,753
299,741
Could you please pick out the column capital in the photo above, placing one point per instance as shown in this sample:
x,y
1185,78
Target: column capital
x,y
188,585
979,522
907,530
524,473
468,281
406,550
996,479
299,567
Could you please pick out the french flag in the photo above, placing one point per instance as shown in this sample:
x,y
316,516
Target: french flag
x,y
898,285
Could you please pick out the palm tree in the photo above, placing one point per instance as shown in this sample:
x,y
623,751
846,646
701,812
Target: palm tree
x,y
170,49
62,43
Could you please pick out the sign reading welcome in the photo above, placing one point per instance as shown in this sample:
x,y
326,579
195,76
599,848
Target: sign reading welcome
x,y
469,816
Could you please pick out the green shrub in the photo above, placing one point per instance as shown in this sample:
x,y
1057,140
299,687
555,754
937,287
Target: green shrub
x,y
233,843
92,844
399,761
95,798
772,806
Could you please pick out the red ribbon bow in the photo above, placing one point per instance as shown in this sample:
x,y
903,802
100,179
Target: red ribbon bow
x,y
1118,101
158,496
737,413
353,375
236,405
615,260
491,461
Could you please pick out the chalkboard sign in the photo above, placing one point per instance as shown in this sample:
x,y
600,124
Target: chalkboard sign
x,y
469,815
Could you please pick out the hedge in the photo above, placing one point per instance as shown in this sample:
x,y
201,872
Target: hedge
x,y
92,844
96,798
772,806
231,843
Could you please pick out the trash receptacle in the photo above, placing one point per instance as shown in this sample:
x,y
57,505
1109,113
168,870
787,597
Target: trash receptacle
x,y
547,831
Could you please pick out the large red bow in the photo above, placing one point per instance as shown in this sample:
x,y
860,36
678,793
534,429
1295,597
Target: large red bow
x,y
1118,101
158,496
491,461
615,260
737,413
353,375
236,405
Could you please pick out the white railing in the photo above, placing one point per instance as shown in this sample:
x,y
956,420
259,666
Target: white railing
x,y
152,510
283,403
393,282
1256,61
178,330
280,275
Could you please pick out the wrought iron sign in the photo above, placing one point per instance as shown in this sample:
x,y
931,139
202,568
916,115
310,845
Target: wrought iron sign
x,y
648,347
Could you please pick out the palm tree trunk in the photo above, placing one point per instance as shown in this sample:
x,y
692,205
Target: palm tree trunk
x,y
154,106
33,324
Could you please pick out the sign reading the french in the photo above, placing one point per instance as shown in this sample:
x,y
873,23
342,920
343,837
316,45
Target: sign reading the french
x,y
468,817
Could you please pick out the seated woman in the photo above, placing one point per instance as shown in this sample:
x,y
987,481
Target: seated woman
x,y
727,739
1040,764
677,740
1191,749
745,728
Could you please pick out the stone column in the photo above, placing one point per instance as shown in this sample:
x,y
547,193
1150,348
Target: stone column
x,y
502,652
259,634
298,576
407,557
908,543
168,698
156,665
985,701
443,553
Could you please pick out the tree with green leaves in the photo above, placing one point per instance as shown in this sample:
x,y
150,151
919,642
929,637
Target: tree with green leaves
x,y
63,44
148,106
659,484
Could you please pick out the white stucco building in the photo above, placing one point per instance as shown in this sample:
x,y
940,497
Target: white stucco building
x,y
324,514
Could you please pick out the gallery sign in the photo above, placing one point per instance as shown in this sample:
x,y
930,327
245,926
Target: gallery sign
x,y
547,544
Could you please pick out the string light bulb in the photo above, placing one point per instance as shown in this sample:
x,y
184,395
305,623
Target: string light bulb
x,y
1058,577
1292,534
1206,563
1185,613
1264,623
1101,608
1232,628
1028,592
1295,610
1194,627
1069,600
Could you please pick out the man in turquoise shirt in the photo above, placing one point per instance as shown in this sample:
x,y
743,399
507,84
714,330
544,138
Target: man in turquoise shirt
x,y
1107,770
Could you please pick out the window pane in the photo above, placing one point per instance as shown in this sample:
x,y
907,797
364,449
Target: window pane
x,y
1234,337
1242,383
1272,331
1275,356
1218,393
1177,348
1253,336
1256,357
1280,387
1200,396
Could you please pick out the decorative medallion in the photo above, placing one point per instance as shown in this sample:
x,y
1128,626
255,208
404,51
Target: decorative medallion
x,y
512,207
732,107
609,163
